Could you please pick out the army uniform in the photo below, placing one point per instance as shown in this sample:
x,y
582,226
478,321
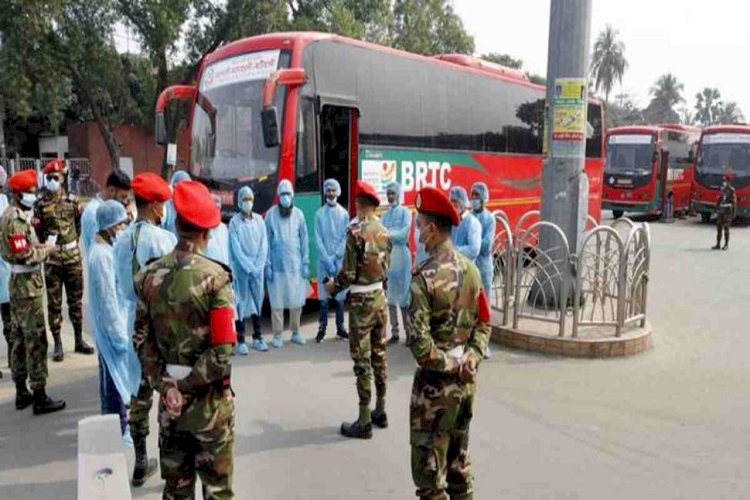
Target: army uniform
x,y
184,335
450,320
367,257
61,216
726,209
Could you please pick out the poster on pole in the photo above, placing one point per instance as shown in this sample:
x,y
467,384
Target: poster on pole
x,y
569,118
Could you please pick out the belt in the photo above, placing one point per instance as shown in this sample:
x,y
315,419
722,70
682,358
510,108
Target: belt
x,y
69,246
179,372
366,288
456,353
19,269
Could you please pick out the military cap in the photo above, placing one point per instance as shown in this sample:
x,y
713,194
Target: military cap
x,y
23,181
431,201
195,205
150,188
55,166
728,175
366,190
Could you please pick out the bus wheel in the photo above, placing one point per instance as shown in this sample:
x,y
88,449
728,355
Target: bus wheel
x,y
617,213
706,217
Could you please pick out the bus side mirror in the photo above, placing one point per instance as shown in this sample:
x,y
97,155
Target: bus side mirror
x,y
270,124
160,129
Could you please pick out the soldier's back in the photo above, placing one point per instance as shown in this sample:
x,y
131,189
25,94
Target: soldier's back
x,y
373,246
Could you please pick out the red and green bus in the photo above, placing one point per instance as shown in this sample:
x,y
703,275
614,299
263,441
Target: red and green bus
x,y
648,165
310,106
722,149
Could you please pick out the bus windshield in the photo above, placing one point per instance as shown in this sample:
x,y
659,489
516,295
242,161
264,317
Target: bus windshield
x,y
227,140
717,158
629,154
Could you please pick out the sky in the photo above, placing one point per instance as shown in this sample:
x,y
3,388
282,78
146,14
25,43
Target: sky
x,y
701,43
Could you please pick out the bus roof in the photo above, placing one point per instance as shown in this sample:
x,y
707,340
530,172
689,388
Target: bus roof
x,y
293,39
727,129
653,129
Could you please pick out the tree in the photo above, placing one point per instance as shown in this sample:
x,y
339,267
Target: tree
x,y
429,27
729,113
623,112
707,106
666,94
503,60
608,63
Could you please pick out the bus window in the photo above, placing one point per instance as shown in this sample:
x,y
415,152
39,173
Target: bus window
x,y
307,180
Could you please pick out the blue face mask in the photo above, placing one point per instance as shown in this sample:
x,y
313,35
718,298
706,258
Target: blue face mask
x,y
476,205
53,185
331,201
285,200
28,200
246,206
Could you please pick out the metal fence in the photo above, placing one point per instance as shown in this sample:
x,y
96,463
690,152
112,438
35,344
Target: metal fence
x,y
599,291
82,183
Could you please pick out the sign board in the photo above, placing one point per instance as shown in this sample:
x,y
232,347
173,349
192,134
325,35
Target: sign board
x,y
630,139
726,139
569,118
238,69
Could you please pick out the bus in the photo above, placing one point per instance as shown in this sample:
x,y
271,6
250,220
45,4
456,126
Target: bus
x,y
722,149
311,106
648,165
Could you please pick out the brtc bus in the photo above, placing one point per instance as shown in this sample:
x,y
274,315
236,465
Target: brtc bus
x,y
722,149
649,166
311,106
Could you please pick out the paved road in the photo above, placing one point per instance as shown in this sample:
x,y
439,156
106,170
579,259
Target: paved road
x,y
671,423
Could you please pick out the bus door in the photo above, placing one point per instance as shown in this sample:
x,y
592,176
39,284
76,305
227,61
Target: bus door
x,y
666,182
339,149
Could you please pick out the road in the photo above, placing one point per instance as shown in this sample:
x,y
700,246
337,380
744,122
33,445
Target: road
x,y
671,423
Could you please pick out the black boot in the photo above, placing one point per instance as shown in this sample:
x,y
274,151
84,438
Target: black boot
x,y
320,336
380,418
144,468
57,354
357,430
23,396
342,334
393,340
81,346
43,404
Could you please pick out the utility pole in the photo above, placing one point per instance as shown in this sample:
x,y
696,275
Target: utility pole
x,y
564,186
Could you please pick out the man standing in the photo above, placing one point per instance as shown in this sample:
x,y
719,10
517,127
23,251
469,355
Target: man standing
x,y
5,275
141,243
450,323
467,237
367,258
726,210
331,222
169,214
188,336
117,188
248,252
480,195
59,222
218,239
397,220
288,264
20,247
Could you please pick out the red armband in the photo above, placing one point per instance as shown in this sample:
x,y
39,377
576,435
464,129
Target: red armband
x,y
18,244
222,327
483,312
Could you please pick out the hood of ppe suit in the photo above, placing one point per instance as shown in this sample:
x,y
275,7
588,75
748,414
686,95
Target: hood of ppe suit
x,y
109,214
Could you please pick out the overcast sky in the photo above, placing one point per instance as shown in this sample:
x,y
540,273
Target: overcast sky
x,y
702,43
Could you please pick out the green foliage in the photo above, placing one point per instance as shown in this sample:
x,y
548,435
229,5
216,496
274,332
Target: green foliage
x,y
608,63
666,94
503,60
429,27
711,110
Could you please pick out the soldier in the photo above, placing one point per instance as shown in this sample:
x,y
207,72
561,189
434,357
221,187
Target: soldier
x,y
20,247
726,209
450,322
367,258
142,242
185,328
59,220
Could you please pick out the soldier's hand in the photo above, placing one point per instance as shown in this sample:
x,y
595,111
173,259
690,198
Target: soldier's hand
x,y
52,251
330,286
173,402
468,370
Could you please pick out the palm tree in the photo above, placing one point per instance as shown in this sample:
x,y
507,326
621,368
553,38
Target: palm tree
x,y
707,106
608,63
730,113
666,94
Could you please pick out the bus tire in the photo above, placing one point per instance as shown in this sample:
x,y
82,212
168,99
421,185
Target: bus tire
x,y
706,217
617,213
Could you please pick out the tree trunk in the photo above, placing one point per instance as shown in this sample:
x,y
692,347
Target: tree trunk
x,y
102,123
3,151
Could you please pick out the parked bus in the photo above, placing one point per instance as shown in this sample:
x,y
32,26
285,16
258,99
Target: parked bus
x,y
647,166
310,106
722,149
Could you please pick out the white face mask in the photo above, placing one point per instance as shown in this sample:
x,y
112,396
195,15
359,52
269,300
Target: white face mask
x,y
28,200
331,201
246,207
53,185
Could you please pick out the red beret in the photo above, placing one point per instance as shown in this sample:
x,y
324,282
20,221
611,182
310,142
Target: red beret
x,y
23,181
55,166
150,188
195,205
366,190
431,201
728,175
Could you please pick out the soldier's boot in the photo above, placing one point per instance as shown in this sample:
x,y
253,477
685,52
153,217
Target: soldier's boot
x,y
81,346
360,428
380,418
144,467
726,243
320,336
23,396
43,404
58,354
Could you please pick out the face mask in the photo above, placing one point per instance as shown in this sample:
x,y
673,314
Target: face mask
x,y
53,185
331,201
117,235
246,207
423,237
285,200
28,199
476,205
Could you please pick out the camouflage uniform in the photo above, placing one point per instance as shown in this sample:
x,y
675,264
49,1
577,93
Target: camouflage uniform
x,y
726,209
444,308
19,247
367,257
176,295
61,216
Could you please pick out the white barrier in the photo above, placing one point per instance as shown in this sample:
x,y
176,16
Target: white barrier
x,y
102,468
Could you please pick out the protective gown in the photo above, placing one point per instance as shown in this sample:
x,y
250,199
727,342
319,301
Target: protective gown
x,y
331,223
397,220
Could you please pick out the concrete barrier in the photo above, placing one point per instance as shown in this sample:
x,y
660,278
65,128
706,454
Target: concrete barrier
x,y
102,467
